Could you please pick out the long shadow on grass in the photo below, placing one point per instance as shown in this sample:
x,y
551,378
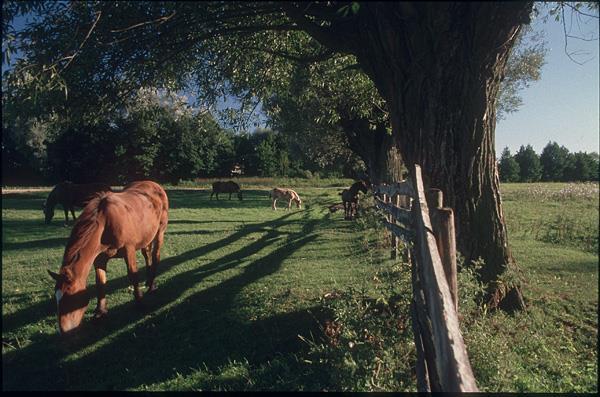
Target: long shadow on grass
x,y
203,328
24,201
36,244
35,313
201,199
178,337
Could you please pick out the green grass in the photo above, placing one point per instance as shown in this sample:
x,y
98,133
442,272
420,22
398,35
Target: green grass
x,y
552,347
238,283
252,299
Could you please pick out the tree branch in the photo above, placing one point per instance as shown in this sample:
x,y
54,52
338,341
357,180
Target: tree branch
x,y
325,36
159,21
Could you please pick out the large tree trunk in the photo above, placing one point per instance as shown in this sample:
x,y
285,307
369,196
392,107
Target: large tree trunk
x,y
376,147
439,67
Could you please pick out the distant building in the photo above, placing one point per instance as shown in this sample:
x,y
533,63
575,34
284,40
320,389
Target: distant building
x,y
237,170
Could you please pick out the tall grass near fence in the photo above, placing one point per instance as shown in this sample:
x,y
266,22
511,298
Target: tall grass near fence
x,y
551,347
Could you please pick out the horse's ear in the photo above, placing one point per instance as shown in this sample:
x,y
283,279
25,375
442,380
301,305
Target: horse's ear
x,y
56,276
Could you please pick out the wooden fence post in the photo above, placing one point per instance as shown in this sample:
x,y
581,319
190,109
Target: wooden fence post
x,y
435,198
442,221
451,361
445,238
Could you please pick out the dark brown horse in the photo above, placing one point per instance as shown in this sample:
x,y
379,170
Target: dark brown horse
x,y
112,225
350,198
71,195
226,187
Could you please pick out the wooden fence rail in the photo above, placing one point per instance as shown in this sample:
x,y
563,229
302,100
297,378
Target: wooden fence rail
x,y
442,360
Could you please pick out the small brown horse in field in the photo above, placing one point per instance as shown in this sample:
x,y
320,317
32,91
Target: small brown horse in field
x,y
350,198
226,187
286,194
71,195
112,225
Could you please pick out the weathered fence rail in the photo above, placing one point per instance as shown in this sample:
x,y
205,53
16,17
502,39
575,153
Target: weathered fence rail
x,y
442,360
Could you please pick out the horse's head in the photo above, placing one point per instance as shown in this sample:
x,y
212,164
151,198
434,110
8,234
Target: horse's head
x,y
364,186
48,213
298,202
71,300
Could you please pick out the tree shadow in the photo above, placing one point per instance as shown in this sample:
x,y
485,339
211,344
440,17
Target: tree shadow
x,y
35,313
36,244
201,199
24,201
201,328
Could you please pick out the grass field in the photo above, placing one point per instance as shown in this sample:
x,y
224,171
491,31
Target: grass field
x,y
253,299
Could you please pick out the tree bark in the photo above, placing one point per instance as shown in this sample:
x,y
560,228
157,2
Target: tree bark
x,y
439,67
376,147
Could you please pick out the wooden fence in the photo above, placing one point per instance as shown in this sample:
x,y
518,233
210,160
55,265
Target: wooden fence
x,y
442,360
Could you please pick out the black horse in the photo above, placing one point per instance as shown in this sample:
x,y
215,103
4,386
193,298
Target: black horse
x,y
71,195
350,198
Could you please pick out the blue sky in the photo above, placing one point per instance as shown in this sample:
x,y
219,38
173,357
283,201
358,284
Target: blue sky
x,y
563,105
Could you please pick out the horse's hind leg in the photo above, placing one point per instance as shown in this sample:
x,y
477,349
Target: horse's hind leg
x,y
150,266
156,246
66,216
100,266
73,213
132,272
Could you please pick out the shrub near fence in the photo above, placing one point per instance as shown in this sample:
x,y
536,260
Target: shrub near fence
x,y
442,360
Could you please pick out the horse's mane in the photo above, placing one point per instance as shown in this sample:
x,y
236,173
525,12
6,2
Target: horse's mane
x,y
85,227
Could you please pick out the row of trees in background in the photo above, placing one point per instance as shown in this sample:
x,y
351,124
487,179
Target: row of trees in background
x,y
156,136
554,164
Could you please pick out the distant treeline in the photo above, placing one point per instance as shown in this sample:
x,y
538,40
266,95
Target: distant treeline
x,y
554,164
148,139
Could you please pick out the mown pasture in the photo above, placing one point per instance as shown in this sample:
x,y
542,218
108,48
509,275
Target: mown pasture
x,y
253,299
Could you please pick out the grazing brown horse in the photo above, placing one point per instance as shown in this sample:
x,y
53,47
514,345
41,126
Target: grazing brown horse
x,y
287,194
112,225
350,198
71,195
226,187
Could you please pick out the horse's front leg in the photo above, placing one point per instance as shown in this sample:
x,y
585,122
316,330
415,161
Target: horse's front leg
x,y
273,204
132,272
289,204
100,266
66,209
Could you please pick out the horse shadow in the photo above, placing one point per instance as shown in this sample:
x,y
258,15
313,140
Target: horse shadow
x,y
209,329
